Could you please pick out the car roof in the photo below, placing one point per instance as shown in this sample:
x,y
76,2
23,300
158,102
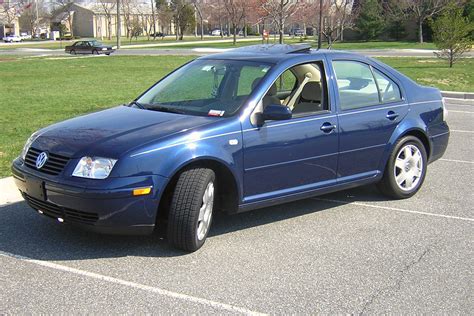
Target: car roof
x,y
276,53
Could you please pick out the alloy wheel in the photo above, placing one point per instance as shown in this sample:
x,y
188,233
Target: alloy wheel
x,y
205,212
408,167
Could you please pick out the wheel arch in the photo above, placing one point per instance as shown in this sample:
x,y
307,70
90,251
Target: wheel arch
x,y
421,135
227,185
399,133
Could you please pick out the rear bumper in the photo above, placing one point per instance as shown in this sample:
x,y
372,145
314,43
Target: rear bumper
x,y
439,138
111,210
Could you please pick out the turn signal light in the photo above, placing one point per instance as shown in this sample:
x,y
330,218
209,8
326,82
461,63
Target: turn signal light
x,y
141,191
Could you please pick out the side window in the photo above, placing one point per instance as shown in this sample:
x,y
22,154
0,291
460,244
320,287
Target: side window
x,y
356,85
249,78
286,82
389,90
302,88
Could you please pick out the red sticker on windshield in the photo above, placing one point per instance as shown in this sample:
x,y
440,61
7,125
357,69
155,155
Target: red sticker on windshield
x,y
215,113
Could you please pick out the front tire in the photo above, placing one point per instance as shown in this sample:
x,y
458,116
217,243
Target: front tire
x,y
190,214
73,52
405,170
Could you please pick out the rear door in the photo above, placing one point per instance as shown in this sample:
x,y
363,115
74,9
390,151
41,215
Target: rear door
x,y
79,47
84,48
370,106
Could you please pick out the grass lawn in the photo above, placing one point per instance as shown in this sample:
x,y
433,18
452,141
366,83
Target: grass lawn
x,y
296,40
39,91
113,42
194,42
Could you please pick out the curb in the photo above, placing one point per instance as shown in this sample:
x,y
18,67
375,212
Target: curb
x,y
10,193
458,95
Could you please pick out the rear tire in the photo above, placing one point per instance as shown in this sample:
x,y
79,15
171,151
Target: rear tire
x,y
405,170
95,52
190,214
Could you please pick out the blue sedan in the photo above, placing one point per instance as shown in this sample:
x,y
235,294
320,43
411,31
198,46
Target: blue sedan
x,y
241,130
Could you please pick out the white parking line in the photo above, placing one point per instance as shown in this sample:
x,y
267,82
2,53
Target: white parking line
x,y
460,131
454,160
460,102
396,209
466,112
184,297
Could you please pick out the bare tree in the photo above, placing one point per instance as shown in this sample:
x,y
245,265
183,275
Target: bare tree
x,y
165,15
31,16
236,13
143,21
279,11
218,14
199,7
127,13
421,10
9,13
108,7
65,7
336,17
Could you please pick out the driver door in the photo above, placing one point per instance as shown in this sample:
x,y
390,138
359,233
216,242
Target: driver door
x,y
291,156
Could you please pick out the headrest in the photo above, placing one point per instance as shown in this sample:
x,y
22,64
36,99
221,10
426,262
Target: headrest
x,y
312,91
273,89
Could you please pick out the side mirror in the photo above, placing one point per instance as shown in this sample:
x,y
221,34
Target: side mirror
x,y
276,112
273,112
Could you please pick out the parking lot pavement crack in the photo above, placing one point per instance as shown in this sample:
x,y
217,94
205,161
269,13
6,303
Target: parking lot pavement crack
x,y
397,284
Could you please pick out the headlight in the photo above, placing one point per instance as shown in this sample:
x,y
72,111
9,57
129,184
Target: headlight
x,y
28,143
94,167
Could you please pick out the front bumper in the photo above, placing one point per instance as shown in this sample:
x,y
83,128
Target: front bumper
x,y
105,206
108,51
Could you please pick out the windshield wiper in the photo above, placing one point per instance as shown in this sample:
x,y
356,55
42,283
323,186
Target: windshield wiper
x,y
138,104
156,107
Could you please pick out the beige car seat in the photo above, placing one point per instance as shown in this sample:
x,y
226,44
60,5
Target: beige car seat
x,y
309,99
271,96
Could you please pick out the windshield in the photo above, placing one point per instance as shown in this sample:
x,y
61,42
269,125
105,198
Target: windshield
x,y
206,88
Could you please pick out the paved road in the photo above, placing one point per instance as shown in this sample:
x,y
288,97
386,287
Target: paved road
x,y
205,51
348,252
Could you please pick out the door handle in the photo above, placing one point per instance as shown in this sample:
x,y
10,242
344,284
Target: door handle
x,y
328,127
391,115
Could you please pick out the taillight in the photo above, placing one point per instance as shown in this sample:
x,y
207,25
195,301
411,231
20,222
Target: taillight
x,y
445,110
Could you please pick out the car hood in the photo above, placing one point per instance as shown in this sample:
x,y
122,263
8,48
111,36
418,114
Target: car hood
x,y
113,132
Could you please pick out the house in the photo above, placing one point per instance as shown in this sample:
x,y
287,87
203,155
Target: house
x,y
9,23
99,19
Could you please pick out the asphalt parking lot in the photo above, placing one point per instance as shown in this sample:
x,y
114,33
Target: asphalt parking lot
x,y
348,252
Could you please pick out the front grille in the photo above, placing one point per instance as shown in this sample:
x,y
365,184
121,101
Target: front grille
x,y
53,166
55,211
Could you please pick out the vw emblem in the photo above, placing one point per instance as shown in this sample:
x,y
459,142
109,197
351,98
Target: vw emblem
x,y
41,160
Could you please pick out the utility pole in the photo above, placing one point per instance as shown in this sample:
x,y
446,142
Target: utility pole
x,y
119,25
153,17
320,28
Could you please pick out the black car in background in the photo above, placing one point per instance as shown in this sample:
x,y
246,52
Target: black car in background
x,y
89,47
